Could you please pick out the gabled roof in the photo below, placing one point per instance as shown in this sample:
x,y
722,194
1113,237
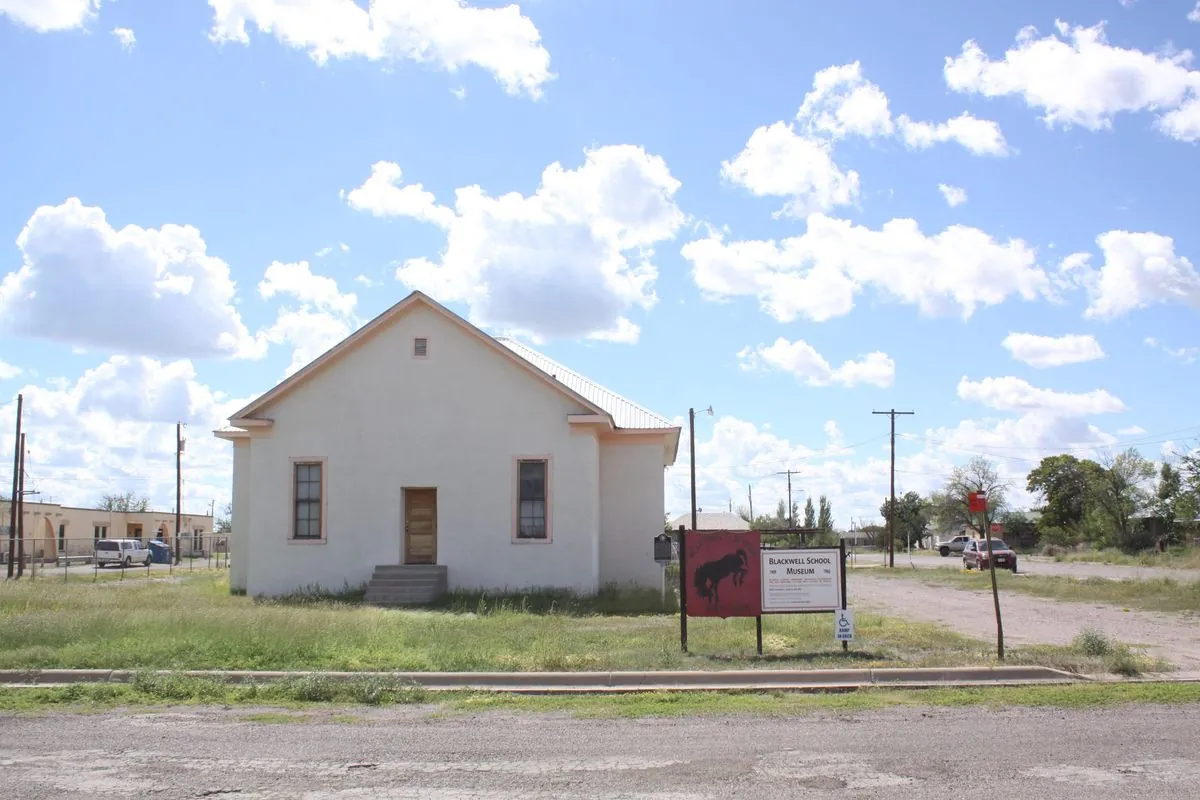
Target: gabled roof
x,y
621,413
625,413
711,521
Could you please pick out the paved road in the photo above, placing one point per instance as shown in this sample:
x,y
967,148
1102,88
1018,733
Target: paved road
x,y
1036,565
406,753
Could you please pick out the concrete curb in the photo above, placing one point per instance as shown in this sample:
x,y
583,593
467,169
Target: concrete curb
x,y
601,682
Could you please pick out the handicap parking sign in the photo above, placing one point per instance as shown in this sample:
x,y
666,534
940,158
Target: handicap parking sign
x,y
843,625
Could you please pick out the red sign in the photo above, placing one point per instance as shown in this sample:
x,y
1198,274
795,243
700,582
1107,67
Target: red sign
x,y
977,502
724,574
997,527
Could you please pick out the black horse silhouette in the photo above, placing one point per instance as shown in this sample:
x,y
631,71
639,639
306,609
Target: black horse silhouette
x,y
710,574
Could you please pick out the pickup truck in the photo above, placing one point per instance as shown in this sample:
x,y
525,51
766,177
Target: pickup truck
x,y
955,545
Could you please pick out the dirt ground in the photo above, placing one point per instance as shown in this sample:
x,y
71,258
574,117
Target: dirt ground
x,y
1036,565
1028,620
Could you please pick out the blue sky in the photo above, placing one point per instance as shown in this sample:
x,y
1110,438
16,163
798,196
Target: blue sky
x,y
702,211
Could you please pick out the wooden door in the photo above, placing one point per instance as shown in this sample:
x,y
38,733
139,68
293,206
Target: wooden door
x,y
420,526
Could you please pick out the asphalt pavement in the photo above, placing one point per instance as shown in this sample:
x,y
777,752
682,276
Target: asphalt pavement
x,y
411,753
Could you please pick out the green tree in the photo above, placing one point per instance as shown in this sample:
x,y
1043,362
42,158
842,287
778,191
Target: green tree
x,y
825,515
810,514
950,506
124,502
1064,484
224,523
1121,492
1020,530
913,517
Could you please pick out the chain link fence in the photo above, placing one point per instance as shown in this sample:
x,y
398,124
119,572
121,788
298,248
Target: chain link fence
x,y
95,557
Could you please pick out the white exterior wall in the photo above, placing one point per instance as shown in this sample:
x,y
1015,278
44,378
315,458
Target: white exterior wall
x,y
631,503
457,421
243,514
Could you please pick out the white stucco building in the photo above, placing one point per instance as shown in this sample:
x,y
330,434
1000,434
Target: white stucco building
x,y
420,440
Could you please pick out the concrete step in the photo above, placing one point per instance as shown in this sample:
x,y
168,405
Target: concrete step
x,y
406,584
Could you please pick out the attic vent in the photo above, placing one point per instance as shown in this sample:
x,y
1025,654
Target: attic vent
x,y
420,347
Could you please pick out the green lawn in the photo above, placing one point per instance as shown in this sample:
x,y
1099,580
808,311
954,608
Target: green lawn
x,y
1175,558
333,701
1154,594
193,622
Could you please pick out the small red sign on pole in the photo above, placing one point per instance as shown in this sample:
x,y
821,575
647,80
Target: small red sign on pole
x,y
977,502
997,527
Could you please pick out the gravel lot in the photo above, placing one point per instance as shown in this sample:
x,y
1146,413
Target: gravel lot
x,y
1036,565
1027,620
406,753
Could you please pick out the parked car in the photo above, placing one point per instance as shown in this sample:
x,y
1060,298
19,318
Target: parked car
x,y
955,545
976,555
122,551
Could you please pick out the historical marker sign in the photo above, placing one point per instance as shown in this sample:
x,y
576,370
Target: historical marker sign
x,y
801,580
723,574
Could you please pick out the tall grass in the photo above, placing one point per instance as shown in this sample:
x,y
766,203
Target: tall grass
x,y
1176,558
195,623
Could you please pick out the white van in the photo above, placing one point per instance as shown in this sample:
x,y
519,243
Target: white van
x,y
122,551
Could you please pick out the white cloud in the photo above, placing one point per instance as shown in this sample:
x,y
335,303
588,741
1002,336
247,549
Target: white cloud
x,y
1185,355
955,196
382,196
8,371
345,248
448,34
801,359
50,15
1051,351
324,316
981,137
833,433
324,251
365,281
778,162
1194,14
298,281
1082,80
733,453
569,260
113,430
796,159
818,274
126,37
1015,394
1139,270
1132,430
459,92
150,291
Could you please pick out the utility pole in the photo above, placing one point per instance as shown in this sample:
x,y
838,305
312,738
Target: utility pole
x,y
750,496
178,486
20,501
891,520
12,511
791,516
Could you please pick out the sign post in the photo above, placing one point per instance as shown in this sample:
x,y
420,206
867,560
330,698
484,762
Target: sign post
x,y
977,502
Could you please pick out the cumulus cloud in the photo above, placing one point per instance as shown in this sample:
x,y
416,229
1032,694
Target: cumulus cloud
x,y
447,34
953,195
382,195
113,430
796,159
568,261
316,316
818,275
45,16
8,371
1081,79
126,37
801,359
1139,270
1194,14
1015,394
176,299
1052,351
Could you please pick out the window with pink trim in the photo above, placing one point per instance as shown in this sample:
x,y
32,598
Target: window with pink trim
x,y
532,498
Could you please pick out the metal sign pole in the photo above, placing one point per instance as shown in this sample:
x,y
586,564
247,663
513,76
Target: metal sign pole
x,y
683,644
842,550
